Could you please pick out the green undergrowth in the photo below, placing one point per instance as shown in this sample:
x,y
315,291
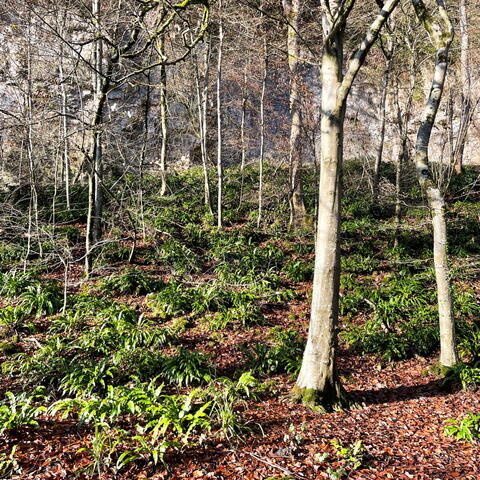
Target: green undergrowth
x,y
136,355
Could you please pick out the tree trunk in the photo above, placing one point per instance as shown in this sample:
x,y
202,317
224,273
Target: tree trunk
x,y
448,343
318,379
298,215
88,235
30,153
143,153
97,156
441,34
398,193
219,121
202,105
466,113
64,111
95,193
242,132
403,119
262,131
56,171
383,115
163,118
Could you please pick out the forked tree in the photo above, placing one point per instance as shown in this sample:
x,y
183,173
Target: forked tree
x,y
318,381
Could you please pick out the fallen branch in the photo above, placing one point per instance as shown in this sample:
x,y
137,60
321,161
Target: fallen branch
x,y
278,467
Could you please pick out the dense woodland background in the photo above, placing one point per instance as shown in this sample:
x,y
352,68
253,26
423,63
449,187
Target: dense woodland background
x,y
176,221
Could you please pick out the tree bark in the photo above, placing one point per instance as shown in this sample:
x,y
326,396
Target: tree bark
x,y
262,131
388,53
298,214
163,118
242,133
95,193
318,381
98,154
202,105
318,378
64,111
143,153
403,119
33,210
441,34
466,105
219,121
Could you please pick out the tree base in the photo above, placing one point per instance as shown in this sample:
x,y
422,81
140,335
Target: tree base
x,y
326,400
303,226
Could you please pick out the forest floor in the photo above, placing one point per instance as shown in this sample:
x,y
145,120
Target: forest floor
x,y
400,416
197,310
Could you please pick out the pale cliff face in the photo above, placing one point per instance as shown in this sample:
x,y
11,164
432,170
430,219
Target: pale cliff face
x,y
126,104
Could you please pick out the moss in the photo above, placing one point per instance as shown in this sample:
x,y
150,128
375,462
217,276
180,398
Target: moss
x,y
333,398
7,347
309,396
439,369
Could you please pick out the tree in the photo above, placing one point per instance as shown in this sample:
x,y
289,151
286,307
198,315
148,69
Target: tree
x,y
101,86
123,48
219,119
202,106
318,381
163,116
262,123
298,214
440,31
466,100
388,50
406,52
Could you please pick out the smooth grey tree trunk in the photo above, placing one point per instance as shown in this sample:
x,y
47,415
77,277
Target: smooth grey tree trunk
x,y
205,92
143,153
441,33
95,193
403,119
318,376
242,132
98,147
318,381
202,105
219,121
388,53
64,111
33,210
